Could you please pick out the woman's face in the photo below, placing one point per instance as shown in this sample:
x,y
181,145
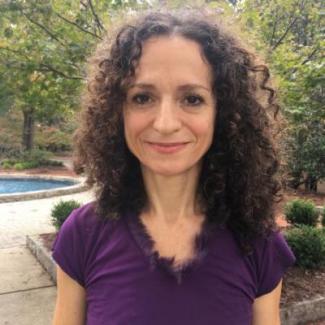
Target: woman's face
x,y
170,101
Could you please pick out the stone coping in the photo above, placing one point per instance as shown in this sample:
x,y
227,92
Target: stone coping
x,y
35,245
297,314
79,186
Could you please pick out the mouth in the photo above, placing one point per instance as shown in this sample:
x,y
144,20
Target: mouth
x,y
167,147
168,144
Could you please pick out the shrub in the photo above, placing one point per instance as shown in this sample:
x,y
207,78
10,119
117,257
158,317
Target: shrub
x,y
26,165
53,163
53,139
323,216
9,151
61,211
31,159
308,245
301,212
19,166
5,165
36,155
8,161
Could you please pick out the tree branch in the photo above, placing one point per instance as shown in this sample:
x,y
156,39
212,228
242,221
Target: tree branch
x,y
293,21
44,29
78,26
310,56
99,24
38,66
15,51
284,34
60,73
274,26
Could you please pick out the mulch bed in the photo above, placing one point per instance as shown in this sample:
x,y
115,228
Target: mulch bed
x,y
48,240
299,285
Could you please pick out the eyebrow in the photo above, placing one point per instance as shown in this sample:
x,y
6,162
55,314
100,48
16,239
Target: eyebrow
x,y
181,87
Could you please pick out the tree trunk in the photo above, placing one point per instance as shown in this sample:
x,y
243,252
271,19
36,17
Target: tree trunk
x,y
28,129
311,184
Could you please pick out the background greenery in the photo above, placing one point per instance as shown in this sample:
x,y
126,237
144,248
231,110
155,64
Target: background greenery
x,y
44,47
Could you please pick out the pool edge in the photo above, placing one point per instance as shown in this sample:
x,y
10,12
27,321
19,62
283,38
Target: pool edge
x,y
80,186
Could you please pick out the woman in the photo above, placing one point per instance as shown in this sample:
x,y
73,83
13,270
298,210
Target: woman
x,y
177,142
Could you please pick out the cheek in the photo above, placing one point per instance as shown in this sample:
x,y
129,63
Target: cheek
x,y
204,128
133,126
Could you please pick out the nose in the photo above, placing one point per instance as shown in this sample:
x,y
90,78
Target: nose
x,y
166,119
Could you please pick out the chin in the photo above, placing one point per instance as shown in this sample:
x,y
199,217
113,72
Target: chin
x,y
170,169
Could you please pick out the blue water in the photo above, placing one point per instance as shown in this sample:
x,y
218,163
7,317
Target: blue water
x,y
14,185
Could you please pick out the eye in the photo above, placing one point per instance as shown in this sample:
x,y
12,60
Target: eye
x,y
194,100
140,99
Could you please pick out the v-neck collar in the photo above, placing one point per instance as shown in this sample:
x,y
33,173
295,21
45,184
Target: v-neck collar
x,y
146,243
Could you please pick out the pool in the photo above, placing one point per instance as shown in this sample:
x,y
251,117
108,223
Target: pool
x,y
27,187
14,185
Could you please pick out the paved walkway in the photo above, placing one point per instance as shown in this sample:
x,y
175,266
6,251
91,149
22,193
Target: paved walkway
x,y
27,294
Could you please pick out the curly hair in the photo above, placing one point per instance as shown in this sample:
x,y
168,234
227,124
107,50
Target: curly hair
x,y
238,183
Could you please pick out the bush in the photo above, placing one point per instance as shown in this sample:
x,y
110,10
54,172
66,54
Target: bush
x,y
8,163
301,212
308,245
52,163
25,165
323,217
5,165
8,151
61,211
53,139
36,155
31,159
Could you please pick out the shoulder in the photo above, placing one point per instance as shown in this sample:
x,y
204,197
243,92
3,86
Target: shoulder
x,y
85,218
78,238
272,257
82,226
274,246
82,215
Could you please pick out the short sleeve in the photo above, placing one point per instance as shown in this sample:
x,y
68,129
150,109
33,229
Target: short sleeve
x,y
68,247
274,258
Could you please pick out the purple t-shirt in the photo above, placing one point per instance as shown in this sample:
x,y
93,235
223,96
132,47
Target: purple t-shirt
x,y
127,283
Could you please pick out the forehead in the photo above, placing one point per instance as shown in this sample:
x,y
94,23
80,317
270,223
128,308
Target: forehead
x,y
174,58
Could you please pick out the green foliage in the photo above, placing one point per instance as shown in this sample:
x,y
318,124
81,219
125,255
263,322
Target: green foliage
x,y
10,139
290,34
53,139
323,217
10,150
30,159
301,212
53,163
308,245
36,155
305,146
43,49
61,211
25,165
6,165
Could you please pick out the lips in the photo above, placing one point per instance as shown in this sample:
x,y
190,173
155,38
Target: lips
x,y
168,144
167,148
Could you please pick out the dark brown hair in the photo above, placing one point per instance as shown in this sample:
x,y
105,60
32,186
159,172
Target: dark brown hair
x,y
238,183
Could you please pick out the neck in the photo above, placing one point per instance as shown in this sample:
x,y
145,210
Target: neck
x,y
172,199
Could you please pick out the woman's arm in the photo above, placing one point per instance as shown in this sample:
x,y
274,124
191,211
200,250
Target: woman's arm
x,y
266,309
70,306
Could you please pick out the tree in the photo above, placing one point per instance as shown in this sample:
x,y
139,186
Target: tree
x,y
43,54
289,34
